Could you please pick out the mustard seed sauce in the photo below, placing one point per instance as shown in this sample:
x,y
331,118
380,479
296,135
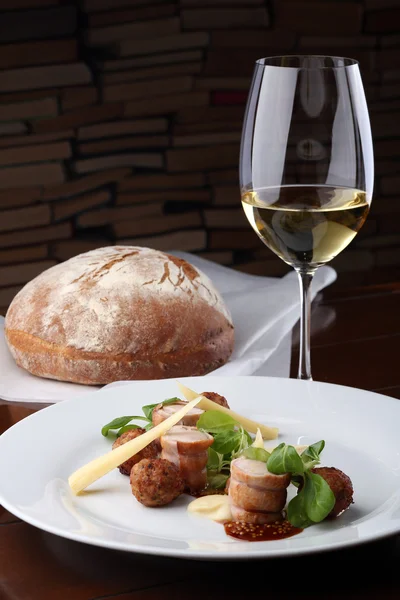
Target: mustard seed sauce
x,y
261,533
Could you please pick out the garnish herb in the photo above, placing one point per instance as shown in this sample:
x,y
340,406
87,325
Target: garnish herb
x,y
121,424
226,442
315,499
318,497
215,460
310,456
214,421
296,512
217,480
230,440
256,454
284,459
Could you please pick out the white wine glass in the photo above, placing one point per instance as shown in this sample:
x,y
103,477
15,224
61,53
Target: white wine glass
x,y
306,165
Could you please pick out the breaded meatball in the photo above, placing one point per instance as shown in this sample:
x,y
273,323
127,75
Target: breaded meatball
x,y
341,486
156,482
217,398
151,451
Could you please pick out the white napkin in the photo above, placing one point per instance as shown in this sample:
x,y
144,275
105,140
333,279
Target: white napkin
x,y
264,310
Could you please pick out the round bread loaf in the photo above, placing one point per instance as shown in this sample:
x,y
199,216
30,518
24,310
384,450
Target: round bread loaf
x,y
118,313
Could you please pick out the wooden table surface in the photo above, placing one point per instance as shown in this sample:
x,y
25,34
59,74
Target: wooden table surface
x,y
356,341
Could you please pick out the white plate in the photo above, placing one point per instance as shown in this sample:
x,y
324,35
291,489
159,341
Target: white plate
x,y
360,428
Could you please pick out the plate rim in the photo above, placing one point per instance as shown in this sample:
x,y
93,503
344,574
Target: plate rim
x,y
188,554
208,555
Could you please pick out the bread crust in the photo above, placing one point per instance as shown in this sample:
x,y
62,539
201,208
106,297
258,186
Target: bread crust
x,y
173,328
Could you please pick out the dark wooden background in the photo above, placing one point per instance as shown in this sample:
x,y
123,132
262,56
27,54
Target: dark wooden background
x,y
120,122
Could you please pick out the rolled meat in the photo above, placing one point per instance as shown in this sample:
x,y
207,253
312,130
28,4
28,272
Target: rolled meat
x,y
256,495
160,413
187,447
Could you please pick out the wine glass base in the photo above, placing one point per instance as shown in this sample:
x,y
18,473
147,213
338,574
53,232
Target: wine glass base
x,y
304,377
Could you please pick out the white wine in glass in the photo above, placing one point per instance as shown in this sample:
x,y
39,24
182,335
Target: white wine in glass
x,y
306,165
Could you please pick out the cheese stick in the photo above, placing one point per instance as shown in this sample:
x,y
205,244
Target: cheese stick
x,y
102,465
268,433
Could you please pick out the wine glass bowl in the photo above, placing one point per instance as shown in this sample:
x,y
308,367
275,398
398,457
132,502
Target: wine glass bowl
x,y
306,164
306,226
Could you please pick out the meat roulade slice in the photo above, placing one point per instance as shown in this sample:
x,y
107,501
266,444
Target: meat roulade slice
x,y
256,495
161,413
253,517
187,447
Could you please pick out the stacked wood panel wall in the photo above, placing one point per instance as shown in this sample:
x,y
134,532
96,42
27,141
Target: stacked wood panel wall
x,y
120,123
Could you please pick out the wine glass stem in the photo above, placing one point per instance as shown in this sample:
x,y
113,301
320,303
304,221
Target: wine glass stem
x,y
305,280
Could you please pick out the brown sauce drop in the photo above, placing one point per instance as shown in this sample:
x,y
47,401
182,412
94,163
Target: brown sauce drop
x,y
260,533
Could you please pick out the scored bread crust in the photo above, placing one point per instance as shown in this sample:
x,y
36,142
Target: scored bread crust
x,y
119,313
